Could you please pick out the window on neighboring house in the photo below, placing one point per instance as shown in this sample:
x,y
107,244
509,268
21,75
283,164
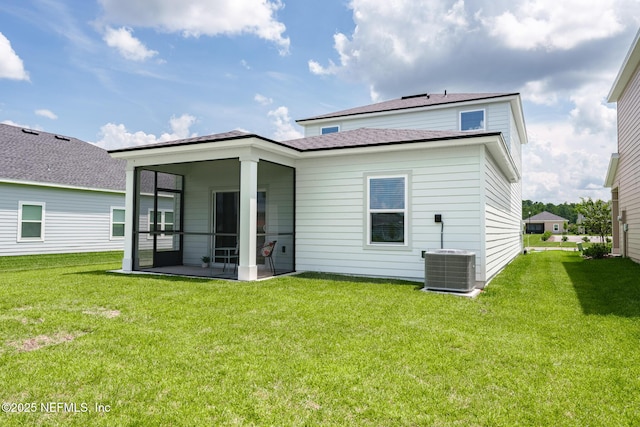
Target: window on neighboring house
x,y
31,222
117,223
472,120
556,227
330,129
164,221
387,210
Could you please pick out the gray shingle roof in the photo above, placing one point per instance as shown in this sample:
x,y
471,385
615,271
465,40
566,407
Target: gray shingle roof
x,y
368,137
546,216
224,136
362,137
406,102
35,156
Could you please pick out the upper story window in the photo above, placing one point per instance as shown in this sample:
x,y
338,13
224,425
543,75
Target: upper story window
x,y
472,120
387,210
330,129
31,222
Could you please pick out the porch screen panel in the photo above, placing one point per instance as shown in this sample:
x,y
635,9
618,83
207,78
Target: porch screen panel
x,y
168,221
276,216
146,184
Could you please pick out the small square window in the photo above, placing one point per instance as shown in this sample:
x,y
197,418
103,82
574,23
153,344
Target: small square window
x,y
472,120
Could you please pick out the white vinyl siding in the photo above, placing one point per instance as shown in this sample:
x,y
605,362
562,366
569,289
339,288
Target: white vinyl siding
x,y
31,221
497,118
74,220
628,174
503,210
331,199
118,218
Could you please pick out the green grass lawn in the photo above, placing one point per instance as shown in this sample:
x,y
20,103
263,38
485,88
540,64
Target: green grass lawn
x,y
553,341
535,241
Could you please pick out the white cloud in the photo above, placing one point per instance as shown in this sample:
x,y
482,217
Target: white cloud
x,y
11,66
562,56
552,24
285,129
262,100
46,113
128,46
113,136
193,18
562,165
319,70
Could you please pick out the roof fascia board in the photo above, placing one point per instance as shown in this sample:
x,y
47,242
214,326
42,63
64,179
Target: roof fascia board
x,y
453,104
518,114
626,71
59,186
201,151
612,170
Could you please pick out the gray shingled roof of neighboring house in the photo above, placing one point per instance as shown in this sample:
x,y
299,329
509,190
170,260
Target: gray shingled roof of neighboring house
x,y
36,156
546,216
407,102
362,137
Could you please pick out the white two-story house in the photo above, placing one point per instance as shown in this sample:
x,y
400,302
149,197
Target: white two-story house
x,y
365,192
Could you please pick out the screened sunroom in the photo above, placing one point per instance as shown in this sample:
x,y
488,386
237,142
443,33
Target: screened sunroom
x,y
210,215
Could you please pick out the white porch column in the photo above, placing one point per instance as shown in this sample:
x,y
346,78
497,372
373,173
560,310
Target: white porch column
x,y
127,260
247,268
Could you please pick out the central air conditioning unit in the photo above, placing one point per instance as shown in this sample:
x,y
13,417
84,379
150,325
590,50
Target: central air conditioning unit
x,y
450,270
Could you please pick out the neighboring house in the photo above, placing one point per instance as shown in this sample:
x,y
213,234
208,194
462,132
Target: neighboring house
x,y
366,196
623,175
545,221
58,194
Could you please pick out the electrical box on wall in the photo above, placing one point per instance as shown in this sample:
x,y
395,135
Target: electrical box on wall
x,y
438,218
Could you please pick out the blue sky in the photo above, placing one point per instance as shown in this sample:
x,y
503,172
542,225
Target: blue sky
x,y
126,72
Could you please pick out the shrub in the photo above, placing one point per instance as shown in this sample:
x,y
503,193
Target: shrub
x,y
586,239
597,250
565,238
545,236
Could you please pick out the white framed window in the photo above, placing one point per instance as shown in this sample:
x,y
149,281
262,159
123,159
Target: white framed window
x,y
164,222
31,221
387,210
118,218
556,227
329,129
472,120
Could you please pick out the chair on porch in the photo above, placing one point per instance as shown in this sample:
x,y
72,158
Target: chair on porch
x,y
267,252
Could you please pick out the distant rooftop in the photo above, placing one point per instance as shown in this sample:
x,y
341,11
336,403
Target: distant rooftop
x,y
411,101
546,216
36,156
